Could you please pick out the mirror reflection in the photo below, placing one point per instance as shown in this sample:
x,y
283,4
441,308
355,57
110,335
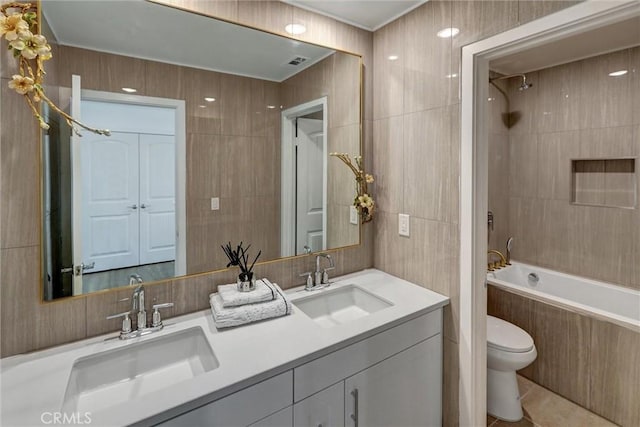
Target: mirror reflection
x,y
219,133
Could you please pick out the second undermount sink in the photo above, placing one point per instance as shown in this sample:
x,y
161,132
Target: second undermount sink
x,y
120,375
331,307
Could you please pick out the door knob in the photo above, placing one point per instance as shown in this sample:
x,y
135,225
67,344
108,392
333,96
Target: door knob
x,y
143,206
134,207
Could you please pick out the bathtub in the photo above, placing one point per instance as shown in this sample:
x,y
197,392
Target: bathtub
x,y
601,300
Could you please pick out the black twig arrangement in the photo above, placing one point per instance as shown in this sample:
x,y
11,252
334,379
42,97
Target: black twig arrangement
x,y
240,258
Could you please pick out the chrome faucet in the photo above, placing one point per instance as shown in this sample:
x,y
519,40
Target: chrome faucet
x,y
509,246
322,277
138,307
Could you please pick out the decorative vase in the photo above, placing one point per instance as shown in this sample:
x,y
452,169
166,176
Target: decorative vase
x,y
246,282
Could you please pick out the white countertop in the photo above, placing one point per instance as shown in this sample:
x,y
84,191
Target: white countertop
x,y
35,383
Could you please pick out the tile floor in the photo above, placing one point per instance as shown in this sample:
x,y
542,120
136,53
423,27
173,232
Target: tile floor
x,y
544,408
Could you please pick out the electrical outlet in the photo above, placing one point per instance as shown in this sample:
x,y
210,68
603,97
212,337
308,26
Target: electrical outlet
x,y
215,203
353,215
403,225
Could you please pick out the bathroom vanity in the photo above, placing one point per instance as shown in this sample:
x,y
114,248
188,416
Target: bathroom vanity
x,y
367,349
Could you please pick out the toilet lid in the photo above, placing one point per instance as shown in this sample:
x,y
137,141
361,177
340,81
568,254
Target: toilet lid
x,y
507,336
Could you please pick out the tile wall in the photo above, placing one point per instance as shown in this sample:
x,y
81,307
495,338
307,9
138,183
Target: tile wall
x,y
28,324
416,136
573,111
588,361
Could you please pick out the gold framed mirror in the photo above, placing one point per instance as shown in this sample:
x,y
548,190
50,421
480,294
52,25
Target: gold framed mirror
x,y
225,139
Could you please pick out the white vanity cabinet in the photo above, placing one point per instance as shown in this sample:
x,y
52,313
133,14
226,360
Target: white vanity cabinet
x,y
393,378
403,390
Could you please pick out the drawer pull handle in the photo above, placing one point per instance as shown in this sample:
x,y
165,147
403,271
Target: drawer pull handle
x,y
354,416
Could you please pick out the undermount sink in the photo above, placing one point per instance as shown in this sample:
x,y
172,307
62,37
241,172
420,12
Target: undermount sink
x,y
120,375
331,307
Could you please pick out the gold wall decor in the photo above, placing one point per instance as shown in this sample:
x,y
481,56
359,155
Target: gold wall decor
x,y
19,26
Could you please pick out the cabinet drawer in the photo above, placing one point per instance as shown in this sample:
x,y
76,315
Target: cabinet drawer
x,y
242,408
327,370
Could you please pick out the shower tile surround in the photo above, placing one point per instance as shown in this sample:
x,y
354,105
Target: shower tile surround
x,y
386,149
564,120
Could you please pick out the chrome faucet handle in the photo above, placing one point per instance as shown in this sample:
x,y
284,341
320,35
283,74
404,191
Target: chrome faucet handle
x,y
126,322
309,281
157,320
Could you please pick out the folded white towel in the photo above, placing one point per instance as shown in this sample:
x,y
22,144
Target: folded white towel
x,y
226,317
232,297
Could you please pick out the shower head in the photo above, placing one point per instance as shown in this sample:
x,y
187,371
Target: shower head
x,y
523,86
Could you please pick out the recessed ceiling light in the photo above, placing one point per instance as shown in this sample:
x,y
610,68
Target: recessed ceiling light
x,y
618,73
392,57
202,106
129,89
448,32
295,29
451,76
271,107
209,99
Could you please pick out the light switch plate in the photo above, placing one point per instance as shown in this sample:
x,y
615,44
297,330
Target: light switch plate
x,y
215,203
353,215
403,225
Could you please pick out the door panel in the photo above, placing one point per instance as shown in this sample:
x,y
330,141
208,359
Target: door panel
x,y
110,200
157,198
404,390
309,195
325,408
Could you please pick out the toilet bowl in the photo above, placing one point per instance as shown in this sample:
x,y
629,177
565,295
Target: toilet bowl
x,y
509,348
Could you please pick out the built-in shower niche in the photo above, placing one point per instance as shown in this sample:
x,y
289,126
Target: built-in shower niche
x,y
604,182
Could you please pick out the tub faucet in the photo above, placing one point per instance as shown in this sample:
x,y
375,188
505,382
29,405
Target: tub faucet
x,y
491,266
508,254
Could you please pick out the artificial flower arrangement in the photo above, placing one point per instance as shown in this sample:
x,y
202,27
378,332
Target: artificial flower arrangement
x,y
363,201
19,27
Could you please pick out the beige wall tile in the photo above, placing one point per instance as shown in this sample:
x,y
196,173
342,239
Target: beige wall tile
x,y
524,225
611,142
558,236
157,76
61,322
560,98
427,164
607,101
615,373
478,20
388,163
523,165
562,340
235,105
524,103
555,152
265,14
202,116
344,104
390,249
20,162
388,78
605,244
635,83
428,76
529,10
498,198
320,29
20,296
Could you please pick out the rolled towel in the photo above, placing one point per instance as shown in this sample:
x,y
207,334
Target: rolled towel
x,y
232,297
226,317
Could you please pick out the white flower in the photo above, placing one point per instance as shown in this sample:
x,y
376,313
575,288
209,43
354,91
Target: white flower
x,y
12,25
21,84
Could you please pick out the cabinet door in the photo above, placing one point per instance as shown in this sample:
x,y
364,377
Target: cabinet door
x,y
282,418
323,409
403,390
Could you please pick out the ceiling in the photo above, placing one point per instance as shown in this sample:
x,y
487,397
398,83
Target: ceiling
x,y
367,14
145,30
598,41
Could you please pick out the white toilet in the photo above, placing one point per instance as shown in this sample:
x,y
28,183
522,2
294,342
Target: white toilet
x,y
509,348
